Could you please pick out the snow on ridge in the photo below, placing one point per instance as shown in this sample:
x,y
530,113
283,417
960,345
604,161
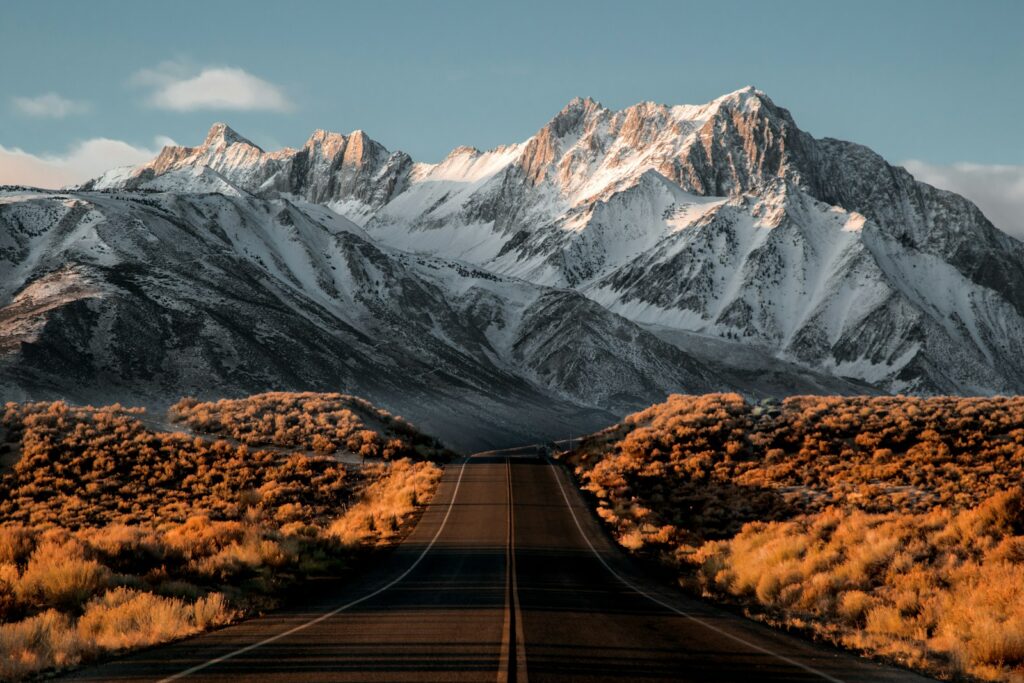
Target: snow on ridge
x,y
468,165
700,217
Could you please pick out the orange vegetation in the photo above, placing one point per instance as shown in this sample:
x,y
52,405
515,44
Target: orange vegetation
x,y
890,525
316,422
93,466
117,536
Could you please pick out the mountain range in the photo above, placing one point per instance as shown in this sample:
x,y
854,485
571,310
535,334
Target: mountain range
x,y
518,292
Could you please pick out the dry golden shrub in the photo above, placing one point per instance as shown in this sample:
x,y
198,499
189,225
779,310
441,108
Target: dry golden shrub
x,y
16,544
45,641
386,503
116,536
891,525
212,610
124,618
59,575
310,421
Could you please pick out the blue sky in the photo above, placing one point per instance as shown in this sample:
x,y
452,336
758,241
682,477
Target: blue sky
x,y
937,82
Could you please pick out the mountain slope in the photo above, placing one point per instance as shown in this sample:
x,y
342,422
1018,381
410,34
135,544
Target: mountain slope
x,y
723,219
892,281
722,227
144,296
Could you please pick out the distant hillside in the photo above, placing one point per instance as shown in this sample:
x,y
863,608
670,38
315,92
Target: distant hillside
x,y
324,423
891,525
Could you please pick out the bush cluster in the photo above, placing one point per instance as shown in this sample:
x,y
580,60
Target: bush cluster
x,y
323,423
95,466
116,536
941,591
889,524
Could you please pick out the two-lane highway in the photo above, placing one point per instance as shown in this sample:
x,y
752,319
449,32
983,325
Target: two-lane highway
x,y
506,577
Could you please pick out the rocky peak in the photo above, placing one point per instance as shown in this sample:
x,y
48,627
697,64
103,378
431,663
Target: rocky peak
x,y
325,143
642,123
463,151
321,136
745,101
360,148
545,148
222,135
569,119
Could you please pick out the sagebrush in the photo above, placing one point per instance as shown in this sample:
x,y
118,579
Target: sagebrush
x,y
116,535
891,525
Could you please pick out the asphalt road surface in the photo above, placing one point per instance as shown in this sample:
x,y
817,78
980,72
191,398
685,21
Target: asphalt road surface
x,y
507,577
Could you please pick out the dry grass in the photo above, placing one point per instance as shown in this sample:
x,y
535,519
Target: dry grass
x,y
45,641
124,618
386,503
116,537
893,526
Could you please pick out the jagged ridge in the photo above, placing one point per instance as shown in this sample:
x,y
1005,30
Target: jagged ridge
x,y
722,219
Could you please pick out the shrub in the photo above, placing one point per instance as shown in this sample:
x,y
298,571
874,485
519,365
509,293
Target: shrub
x,y
892,525
59,575
395,493
123,618
212,610
116,536
16,544
853,607
44,641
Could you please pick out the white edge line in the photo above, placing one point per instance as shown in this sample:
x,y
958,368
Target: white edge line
x,y
687,615
335,611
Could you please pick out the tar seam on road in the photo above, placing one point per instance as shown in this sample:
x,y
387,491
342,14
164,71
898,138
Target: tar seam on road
x,y
337,610
512,666
686,615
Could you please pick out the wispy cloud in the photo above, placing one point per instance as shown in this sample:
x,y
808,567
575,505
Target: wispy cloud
x,y
81,162
998,190
49,105
177,87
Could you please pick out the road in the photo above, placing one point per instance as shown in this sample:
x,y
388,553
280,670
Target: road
x,y
507,577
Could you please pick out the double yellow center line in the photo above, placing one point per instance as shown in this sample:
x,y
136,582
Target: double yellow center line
x,y
512,666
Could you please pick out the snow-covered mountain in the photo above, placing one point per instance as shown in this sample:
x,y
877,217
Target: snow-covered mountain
x,y
611,257
143,297
351,170
726,219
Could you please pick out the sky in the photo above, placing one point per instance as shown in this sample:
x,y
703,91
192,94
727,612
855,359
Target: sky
x,y
933,85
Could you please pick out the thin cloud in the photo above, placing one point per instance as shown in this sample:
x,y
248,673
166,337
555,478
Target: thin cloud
x,y
998,190
82,161
49,105
176,87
